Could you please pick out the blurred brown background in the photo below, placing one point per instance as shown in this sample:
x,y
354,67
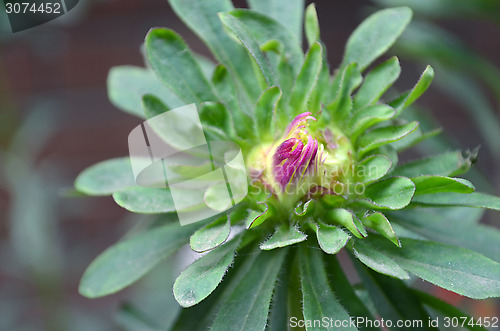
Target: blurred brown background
x,y
56,73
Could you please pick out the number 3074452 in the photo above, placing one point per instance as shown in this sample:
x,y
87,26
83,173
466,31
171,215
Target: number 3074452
x,y
27,7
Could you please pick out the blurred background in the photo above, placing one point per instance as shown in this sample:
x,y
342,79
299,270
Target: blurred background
x,y
56,120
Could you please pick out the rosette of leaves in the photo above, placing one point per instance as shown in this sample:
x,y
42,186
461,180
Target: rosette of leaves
x,y
321,148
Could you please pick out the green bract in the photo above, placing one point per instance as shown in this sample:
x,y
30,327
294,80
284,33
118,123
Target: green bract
x,y
359,197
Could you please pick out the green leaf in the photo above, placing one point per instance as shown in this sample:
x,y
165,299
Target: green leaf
x,y
410,97
201,17
257,217
285,235
372,168
375,35
263,29
382,136
366,117
445,308
446,164
279,313
287,12
174,64
392,193
318,300
211,235
106,177
415,138
437,184
392,298
475,199
202,315
247,38
145,200
347,219
306,79
378,222
207,66
371,257
127,85
265,111
125,262
311,24
201,278
453,268
343,85
378,80
216,120
331,239
180,133
246,306
345,291
153,106
224,86
452,226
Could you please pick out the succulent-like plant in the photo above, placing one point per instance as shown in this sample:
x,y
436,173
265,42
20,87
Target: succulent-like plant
x,y
321,151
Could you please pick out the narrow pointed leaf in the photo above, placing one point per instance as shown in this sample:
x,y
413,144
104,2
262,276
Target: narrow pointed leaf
x,y
348,78
382,136
378,261
438,184
201,278
377,82
331,239
256,287
306,79
287,12
127,85
285,235
372,168
392,193
349,220
265,111
410,97
318,300
364,118
453,268
106,177
124,263
375,35
378,222
446,164
311,24
211,235
174,64
475,199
